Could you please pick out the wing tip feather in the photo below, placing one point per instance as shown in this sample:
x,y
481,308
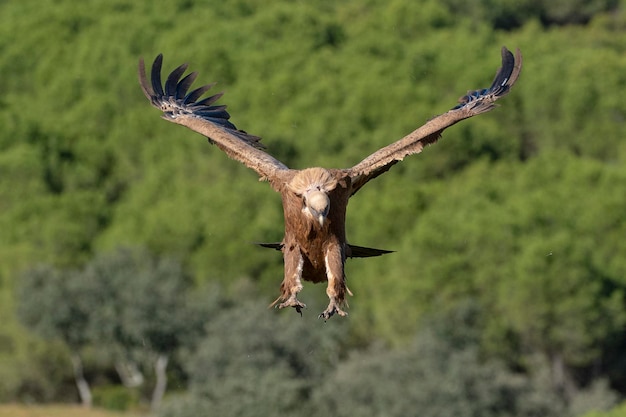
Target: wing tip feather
x,y
143,80
482,100
174,100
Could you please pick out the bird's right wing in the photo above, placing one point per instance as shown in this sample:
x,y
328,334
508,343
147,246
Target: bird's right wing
x,y
179,106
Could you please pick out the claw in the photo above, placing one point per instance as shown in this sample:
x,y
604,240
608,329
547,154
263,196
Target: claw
x,y
298,310
293,302
330,311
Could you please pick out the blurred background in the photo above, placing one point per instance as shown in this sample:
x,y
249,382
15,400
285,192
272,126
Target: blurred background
x,y
129,280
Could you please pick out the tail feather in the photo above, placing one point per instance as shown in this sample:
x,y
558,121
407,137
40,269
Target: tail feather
x,y
363,252
275,245
354,251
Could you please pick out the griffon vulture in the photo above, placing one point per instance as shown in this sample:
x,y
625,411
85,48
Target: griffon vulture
x,y
314,199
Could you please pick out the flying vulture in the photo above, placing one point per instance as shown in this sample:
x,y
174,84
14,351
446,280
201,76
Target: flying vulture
x,y
314,199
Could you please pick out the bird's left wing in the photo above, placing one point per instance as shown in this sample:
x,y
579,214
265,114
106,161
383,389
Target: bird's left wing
x,y
472,104
183,107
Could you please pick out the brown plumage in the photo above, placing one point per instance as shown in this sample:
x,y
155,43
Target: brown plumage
x,y
314,199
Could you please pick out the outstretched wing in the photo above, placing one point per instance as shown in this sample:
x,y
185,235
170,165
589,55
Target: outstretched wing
x,y
472,104
183,107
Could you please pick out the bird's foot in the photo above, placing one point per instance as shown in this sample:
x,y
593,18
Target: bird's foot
x,y
333,308
292,301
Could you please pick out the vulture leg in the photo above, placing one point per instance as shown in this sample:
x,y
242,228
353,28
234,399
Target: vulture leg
x,y
336,289
292,283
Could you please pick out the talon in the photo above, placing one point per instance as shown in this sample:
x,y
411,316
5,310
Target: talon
x,y
330,311
324,315
293,302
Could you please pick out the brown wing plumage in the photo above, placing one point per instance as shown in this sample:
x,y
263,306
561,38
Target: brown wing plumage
x,y
183,107
473,103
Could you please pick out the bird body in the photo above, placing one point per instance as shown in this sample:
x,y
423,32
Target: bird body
x,y
314,245
314,200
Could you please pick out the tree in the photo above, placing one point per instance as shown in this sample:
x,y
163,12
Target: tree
x,y
255,362
536,243
159,314
442,373
127,304
144,313
509,15
55,305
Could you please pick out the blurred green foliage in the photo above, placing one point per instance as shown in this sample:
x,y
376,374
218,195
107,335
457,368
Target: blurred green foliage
x,y
116,397
520,210
615,412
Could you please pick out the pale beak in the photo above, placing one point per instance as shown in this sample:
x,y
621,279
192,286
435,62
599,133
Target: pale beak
x,y
319,217
318,205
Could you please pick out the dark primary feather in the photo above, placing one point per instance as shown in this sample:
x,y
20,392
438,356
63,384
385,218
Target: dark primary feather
x,y
172,81
501,84
174,100
155,76
185,83
197,93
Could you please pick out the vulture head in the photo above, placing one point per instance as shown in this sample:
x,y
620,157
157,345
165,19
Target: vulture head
x,y
313,185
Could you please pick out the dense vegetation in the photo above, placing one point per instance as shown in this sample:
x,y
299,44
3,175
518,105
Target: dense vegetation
x,y
507,291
